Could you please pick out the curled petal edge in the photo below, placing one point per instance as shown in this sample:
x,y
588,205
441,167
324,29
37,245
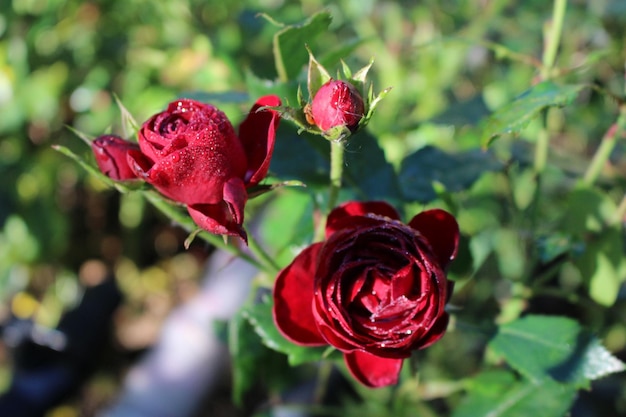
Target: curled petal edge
x,y
293,299
373,371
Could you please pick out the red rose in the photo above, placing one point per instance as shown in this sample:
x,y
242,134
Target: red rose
x,y
110,152
337,103
191,154
375,289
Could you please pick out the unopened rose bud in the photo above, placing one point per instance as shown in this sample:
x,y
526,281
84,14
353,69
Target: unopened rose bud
x,y
337,103
110,152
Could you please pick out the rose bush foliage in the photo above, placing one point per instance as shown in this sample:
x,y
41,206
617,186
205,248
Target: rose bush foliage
x,y
375,289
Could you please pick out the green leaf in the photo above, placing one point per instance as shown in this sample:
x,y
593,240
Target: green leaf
x,y
301,157
602,261
317,75
594,209
513,117
287,223
245,352
456,172
601,265
554,348
252,360
129,124
257,87
260,317
367,172
550,247
290,54
499,394
238,97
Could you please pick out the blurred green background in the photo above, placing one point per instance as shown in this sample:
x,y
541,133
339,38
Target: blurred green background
x,y
62,62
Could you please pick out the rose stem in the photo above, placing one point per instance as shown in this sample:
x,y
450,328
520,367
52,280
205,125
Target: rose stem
x,y
552,40
607,145
323,376
336,173
270,265
174,214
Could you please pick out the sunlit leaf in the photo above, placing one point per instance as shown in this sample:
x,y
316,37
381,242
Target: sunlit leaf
x,y
500,394
290,54
367,173
516,115
600,259
554,348
454,171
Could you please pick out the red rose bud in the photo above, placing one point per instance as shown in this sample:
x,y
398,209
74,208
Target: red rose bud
x,y
110,152
375,289
337,103
191,154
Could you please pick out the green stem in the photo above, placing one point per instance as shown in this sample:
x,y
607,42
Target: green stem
x,y
171,211
551,46
553,37
601,156
323,376
336,174
262,255
604,150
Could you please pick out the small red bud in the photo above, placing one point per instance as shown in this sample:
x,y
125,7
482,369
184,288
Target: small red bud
x,y
337,103
110,152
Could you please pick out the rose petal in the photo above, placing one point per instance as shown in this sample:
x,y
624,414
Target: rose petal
x,y
293,299
373,371
442,232
357,208
216,219
194,175
139,163
434,334
111,153
235,195
225,217
257,134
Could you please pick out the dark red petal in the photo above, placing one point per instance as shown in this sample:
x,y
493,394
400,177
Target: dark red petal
x,y
293,299
435,333
235,195
193,175
338,340
111,156
257,134
357,208
215,218
373,371
139,163
442,232
225,217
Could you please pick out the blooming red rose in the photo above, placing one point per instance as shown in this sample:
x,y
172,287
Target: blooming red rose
x,y
375,288
191,154
110,152
337,103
